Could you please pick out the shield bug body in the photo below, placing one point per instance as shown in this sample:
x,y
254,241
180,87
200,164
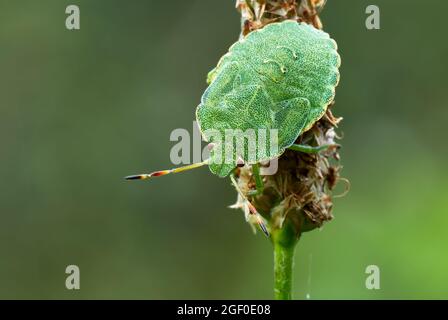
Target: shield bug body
x,y
280,78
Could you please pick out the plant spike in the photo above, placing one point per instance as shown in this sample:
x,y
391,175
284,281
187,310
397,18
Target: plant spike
x,y
165,172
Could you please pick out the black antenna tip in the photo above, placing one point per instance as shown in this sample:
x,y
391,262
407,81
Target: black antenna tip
x,y
134,177
264,229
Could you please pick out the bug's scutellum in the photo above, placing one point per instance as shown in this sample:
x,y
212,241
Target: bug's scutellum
x,y
252,209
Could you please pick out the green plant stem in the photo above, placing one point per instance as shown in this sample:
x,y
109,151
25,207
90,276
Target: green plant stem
x,y
285,240
283,263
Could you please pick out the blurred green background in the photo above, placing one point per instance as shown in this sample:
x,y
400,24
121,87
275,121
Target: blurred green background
x,y
81,109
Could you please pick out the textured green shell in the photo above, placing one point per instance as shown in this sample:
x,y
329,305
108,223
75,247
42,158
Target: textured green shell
x,y
280,77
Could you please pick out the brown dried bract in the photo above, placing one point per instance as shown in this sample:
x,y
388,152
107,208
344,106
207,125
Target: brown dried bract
x,y
256,14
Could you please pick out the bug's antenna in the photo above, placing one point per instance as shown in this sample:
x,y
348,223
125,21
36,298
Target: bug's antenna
x,y
251,208
165,172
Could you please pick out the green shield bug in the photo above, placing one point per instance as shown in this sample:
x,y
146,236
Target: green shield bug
x,y
279,78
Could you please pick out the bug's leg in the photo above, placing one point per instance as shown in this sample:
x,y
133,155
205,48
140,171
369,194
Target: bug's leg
x,y
309,149
165,172
252,209
259,184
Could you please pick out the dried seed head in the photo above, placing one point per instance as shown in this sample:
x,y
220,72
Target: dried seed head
x,y
301,190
